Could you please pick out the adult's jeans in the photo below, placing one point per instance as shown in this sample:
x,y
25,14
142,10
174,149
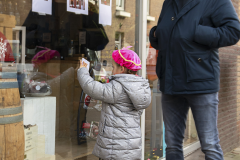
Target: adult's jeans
x,y
205,111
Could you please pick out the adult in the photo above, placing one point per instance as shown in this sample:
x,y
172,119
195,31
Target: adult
x,y
188,35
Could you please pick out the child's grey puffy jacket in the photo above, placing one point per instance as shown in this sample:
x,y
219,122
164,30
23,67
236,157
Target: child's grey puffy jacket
x,y
124,98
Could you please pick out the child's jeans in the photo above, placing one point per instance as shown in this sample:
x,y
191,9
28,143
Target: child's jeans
x,y
205,111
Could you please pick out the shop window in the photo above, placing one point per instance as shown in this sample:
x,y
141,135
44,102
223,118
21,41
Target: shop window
x,y
120,4
118,41
45,44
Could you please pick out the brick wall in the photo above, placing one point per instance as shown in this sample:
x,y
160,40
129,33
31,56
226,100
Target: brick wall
x,y
229,106
229,94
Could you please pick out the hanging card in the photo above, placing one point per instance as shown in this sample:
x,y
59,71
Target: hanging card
x,y
42,6
105,12
78,6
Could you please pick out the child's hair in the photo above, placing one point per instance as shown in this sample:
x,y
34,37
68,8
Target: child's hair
x,y
128,71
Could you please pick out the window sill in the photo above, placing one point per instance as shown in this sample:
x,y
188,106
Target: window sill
x,y
120,8
123,13
150,18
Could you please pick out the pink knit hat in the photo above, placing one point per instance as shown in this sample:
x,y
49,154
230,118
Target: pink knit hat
x,y
127,58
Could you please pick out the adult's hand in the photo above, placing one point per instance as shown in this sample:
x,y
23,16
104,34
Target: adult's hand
x,y
226,30
153,38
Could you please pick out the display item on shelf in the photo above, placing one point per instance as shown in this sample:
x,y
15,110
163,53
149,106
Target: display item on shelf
x,y
44,55
21,85
32,83
89,130
71,50
84,131
94,130
38,89
87,101
90,103
98,106
101,75
6,54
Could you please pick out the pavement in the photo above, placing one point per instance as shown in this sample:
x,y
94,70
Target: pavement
x,y
198,155
233,155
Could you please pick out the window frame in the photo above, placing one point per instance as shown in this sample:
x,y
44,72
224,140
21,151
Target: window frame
x,y
119,41
92,1
121,2
148,7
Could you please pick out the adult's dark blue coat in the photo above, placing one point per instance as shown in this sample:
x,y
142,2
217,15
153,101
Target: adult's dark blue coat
x,y
188,39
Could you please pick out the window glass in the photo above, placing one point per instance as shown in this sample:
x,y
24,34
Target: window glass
x,y
120,4
47,49
118,41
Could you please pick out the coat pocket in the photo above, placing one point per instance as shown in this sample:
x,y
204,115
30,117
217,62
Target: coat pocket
x,y
199,66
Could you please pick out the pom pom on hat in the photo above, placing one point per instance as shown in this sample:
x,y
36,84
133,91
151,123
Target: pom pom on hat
x,y
127,58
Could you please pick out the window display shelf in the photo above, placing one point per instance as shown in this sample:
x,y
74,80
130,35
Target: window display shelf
x,y
41,111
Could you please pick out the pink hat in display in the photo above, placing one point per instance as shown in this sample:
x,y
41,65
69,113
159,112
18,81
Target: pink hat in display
x,y
127,58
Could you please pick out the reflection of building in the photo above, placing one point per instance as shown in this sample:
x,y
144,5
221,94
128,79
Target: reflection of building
x,y
123,29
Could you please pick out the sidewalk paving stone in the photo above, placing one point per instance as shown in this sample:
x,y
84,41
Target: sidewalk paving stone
x,y
198,155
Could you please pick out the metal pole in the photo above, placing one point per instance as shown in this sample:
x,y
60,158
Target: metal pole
x,y
143,57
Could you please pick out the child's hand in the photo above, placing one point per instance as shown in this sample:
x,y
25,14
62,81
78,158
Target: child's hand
x,y
83,64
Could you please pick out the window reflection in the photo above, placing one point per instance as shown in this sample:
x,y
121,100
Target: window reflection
x,y
47,50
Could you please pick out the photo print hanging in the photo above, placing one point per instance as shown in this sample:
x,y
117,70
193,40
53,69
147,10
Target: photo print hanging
x,y
78,6
105,12
42,6
105,2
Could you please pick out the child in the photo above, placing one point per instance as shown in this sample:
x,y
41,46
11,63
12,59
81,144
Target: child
x,y
124,98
